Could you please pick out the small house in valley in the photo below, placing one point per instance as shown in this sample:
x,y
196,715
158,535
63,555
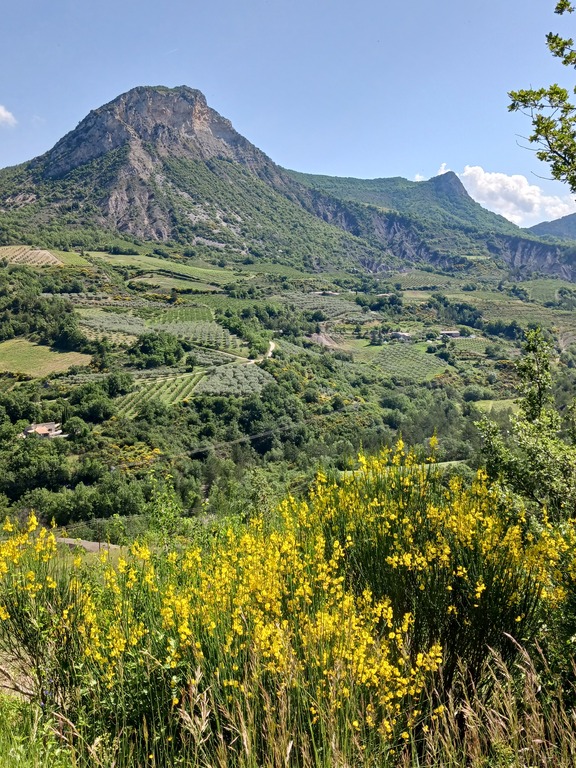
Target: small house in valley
x,y
48,429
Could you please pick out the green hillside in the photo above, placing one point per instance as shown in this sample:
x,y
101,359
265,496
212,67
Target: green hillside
x,y
439,210
442,199
564,228
217,208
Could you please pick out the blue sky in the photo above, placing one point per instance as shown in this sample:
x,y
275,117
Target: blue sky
x,y
365,89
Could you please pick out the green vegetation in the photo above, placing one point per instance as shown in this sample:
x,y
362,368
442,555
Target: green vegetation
x,y
438,211
235,380
412,608
551,111
171,375
376,621
411,363
434,196
21,254
21,356
167,390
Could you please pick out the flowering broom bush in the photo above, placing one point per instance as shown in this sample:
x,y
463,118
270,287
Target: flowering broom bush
x,y
462,561
307,642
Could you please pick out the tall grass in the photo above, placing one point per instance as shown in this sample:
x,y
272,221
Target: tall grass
x,y
379,623
28,739
512,721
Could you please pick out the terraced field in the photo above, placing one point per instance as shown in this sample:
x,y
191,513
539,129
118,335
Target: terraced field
x,y
525,313
116,338
71,259
235,380
266,268
167,389
421,279
544,290
208,334
221,301
24,254
409,361
164,284
476,345
187,314
120,324
208,275
331,306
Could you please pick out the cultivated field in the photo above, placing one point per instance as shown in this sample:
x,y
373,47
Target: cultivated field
x,y
210,275
545,289
188,314
24,254
168,390
410,361
101,319
71,259
235,380
165,284
21,356
331,306
421,279
207,334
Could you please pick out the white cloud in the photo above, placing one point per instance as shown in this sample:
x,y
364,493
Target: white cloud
x,y
514,197
6,117
443,169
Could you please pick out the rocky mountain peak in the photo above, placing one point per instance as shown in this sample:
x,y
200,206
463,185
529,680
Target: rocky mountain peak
x,y
157,120
449,184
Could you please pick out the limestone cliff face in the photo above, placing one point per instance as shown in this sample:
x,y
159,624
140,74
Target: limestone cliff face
x,y
151,121
160,164
151,125
534,256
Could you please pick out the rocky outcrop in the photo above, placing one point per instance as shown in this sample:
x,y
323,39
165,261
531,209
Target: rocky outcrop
x,y
530,255
160,164
152,121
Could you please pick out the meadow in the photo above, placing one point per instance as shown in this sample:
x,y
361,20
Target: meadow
x,y
22,356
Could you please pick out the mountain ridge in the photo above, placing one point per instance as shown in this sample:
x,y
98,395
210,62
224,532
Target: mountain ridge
x,y
159,164
563,228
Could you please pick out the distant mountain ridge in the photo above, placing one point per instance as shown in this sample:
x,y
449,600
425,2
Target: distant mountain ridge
x,y
564,228
158,164
449,221
442,196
